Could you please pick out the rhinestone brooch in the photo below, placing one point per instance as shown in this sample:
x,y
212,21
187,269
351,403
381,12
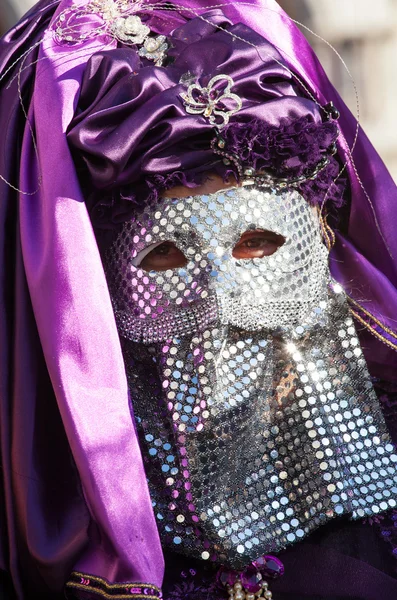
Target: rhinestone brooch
x,y
215,103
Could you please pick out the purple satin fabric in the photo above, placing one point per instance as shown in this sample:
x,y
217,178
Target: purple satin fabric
x,y
105,527
43,519
58,333
118,97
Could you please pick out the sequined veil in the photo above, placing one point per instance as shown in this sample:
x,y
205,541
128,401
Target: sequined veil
x,y
221,411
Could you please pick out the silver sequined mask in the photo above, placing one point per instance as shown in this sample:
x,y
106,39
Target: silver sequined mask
x,y
257,418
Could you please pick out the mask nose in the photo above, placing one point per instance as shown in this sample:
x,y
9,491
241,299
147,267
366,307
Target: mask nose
x,y
221,274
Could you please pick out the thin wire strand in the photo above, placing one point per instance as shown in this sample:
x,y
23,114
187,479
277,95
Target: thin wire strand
x,y
351,149
34,142
22,59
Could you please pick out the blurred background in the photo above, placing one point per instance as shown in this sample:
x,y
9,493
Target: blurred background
x,y
363,32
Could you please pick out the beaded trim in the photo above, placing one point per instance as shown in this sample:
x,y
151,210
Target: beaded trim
x,y
262,178
92,585
251,583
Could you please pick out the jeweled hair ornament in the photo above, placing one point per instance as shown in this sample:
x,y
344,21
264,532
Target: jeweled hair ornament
x,y
61,357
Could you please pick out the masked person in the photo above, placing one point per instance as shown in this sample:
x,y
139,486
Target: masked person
x,y
199,282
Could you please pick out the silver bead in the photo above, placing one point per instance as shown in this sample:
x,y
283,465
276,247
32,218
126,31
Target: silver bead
x,y
237,587
268,595
239,596
249,596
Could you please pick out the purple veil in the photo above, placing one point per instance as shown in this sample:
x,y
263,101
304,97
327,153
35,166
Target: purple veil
x,y
73,495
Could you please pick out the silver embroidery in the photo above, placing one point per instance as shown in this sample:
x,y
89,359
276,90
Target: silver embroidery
x,y
130,30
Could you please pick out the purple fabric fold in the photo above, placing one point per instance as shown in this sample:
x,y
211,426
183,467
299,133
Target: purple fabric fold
x,y
148,103
78,335
43,520
73,493
104,525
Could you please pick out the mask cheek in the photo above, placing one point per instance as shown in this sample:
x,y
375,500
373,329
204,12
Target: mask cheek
x,y
149,295
142,294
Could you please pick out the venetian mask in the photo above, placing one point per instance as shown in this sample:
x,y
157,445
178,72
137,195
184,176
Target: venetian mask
x,y
256,414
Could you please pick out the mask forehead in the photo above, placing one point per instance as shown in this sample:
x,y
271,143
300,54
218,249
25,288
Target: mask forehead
x,y
222,216
217,220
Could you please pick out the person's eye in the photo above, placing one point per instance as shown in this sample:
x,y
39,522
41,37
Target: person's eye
x,y
162,257
257,244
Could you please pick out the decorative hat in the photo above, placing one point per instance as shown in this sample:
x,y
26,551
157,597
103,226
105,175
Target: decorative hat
x,y
224,102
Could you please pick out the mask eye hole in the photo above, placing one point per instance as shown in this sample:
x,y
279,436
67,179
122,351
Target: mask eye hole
x,y
257,244
163,256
